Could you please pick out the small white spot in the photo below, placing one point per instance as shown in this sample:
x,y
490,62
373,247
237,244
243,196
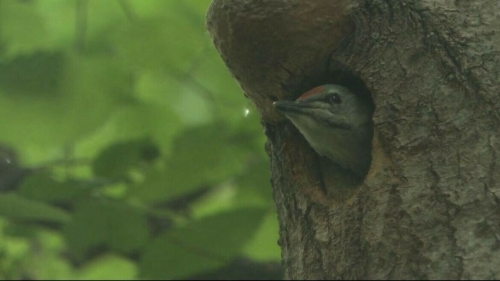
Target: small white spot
x,y
246,112
7,160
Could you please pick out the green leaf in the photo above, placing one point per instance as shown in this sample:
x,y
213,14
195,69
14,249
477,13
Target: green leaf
x,y
201,156
116,160
32,76
176,94
108,267
148,45
264,245
231,103
133,121
83,96
42,187
48,263
146,120
111,224
254,185
22,28
13,206
203,245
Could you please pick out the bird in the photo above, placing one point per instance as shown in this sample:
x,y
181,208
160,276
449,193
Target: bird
x,y
337,123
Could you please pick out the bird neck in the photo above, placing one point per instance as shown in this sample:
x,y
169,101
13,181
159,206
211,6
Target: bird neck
x,y
350,148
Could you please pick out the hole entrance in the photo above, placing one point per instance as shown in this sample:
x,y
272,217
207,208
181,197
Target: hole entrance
x,y
340,182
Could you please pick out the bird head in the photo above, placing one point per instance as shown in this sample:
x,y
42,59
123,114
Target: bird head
x,y
336,122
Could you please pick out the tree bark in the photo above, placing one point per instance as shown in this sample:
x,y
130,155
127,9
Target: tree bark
x,y
429,208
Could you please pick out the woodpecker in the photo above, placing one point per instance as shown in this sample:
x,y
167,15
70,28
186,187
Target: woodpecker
x,y
336,123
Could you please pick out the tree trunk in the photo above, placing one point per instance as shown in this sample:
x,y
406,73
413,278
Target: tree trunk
x,y
429,208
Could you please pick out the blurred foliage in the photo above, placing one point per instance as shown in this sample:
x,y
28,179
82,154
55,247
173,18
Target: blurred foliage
x,y
127,151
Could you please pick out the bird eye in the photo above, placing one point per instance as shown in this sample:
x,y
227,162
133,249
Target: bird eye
x,y
335,99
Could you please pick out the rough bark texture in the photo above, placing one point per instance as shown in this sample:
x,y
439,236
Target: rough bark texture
x,y
429,208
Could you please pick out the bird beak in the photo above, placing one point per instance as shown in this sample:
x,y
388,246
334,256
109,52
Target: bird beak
x,y
286,106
